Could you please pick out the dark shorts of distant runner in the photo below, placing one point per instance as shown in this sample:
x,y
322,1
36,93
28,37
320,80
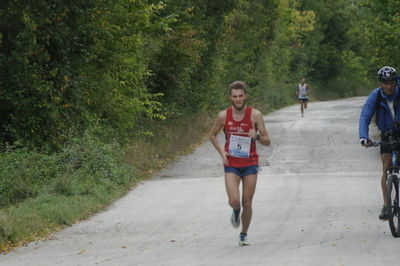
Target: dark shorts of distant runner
x,y
242,171
303,99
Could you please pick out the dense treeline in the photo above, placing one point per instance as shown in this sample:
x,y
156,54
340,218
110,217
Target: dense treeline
x,y
67,65
81,80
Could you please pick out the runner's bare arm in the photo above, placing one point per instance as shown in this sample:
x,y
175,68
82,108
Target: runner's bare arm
x,y
218,125
260,125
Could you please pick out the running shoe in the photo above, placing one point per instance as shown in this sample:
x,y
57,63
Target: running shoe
x,y
243,240
384,214
235,219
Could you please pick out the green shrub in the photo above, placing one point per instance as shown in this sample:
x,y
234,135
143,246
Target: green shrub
x,y
23,173
84,166
40,193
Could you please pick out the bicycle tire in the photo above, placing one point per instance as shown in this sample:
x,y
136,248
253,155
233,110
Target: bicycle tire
x,y
393,205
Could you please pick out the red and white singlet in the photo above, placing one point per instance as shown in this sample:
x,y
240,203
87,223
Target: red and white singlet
x,y
241,148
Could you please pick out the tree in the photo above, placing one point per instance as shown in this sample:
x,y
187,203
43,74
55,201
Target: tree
x,y
60,60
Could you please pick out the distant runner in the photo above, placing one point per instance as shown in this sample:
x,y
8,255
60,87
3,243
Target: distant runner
x,y
243,126
302,95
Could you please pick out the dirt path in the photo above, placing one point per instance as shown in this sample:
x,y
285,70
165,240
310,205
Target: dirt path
x,y
316,203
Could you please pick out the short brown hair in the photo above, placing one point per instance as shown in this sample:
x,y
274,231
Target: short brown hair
x,y
237,85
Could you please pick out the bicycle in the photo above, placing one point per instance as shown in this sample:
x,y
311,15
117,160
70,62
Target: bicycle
x,y
392,184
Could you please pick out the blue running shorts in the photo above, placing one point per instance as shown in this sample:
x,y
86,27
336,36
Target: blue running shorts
x,y
242,171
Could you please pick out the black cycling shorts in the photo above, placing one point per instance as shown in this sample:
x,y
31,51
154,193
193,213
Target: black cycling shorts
x,y
385,148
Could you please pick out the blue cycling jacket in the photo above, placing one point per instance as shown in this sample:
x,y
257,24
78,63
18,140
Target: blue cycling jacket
x,y
384,117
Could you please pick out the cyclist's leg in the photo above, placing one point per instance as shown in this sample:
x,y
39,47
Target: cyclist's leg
x,y
249,187
232,182
386,161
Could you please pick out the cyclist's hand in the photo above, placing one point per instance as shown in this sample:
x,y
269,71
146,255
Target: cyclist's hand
x,y
366,142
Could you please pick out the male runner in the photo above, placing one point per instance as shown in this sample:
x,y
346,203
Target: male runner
x,y
302,95
243,126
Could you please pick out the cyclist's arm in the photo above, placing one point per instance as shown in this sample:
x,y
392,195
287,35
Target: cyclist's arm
x,y
366,115
218,125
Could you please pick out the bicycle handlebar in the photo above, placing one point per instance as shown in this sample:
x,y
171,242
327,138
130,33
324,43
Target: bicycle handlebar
x,y
391,143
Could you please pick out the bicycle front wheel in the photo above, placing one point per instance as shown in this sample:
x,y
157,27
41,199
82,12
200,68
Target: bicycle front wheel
x,y
393,204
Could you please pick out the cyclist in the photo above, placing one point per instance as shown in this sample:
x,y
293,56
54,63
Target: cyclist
x,y
243,126
302,95
383,102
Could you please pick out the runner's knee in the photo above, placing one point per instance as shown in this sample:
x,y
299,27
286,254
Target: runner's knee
x,y
247,203
234,202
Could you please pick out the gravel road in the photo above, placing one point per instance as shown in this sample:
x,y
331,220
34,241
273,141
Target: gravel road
x,y
317,203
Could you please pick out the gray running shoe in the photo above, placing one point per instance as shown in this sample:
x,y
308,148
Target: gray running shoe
x,y
235,221
243,240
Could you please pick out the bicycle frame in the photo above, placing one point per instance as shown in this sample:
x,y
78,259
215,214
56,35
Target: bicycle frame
x,y
394,168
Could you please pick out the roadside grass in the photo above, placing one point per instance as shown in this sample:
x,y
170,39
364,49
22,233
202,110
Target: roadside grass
x,y
43,193
170,140
35,219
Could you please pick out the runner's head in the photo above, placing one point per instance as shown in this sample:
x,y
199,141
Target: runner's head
x,y
237,85
237,93
387,78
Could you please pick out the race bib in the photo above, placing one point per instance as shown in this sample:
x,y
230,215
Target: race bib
x,y
239,146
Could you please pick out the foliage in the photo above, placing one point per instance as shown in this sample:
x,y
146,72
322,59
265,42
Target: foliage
x,y
183,66
155,60
84,165
23,174
382,29
60,60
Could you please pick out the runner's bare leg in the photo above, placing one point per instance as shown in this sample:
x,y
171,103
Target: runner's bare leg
x,y
249,187
232,182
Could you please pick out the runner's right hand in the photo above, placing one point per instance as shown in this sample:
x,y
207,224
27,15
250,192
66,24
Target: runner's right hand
x,y
224,158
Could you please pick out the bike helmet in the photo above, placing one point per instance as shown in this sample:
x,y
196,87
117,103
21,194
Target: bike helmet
x,y
387,73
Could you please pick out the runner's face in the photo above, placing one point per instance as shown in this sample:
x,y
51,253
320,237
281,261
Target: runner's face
x,y
388,86
238,99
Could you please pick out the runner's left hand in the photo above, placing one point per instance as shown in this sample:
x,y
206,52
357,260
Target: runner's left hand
x,y
253,133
